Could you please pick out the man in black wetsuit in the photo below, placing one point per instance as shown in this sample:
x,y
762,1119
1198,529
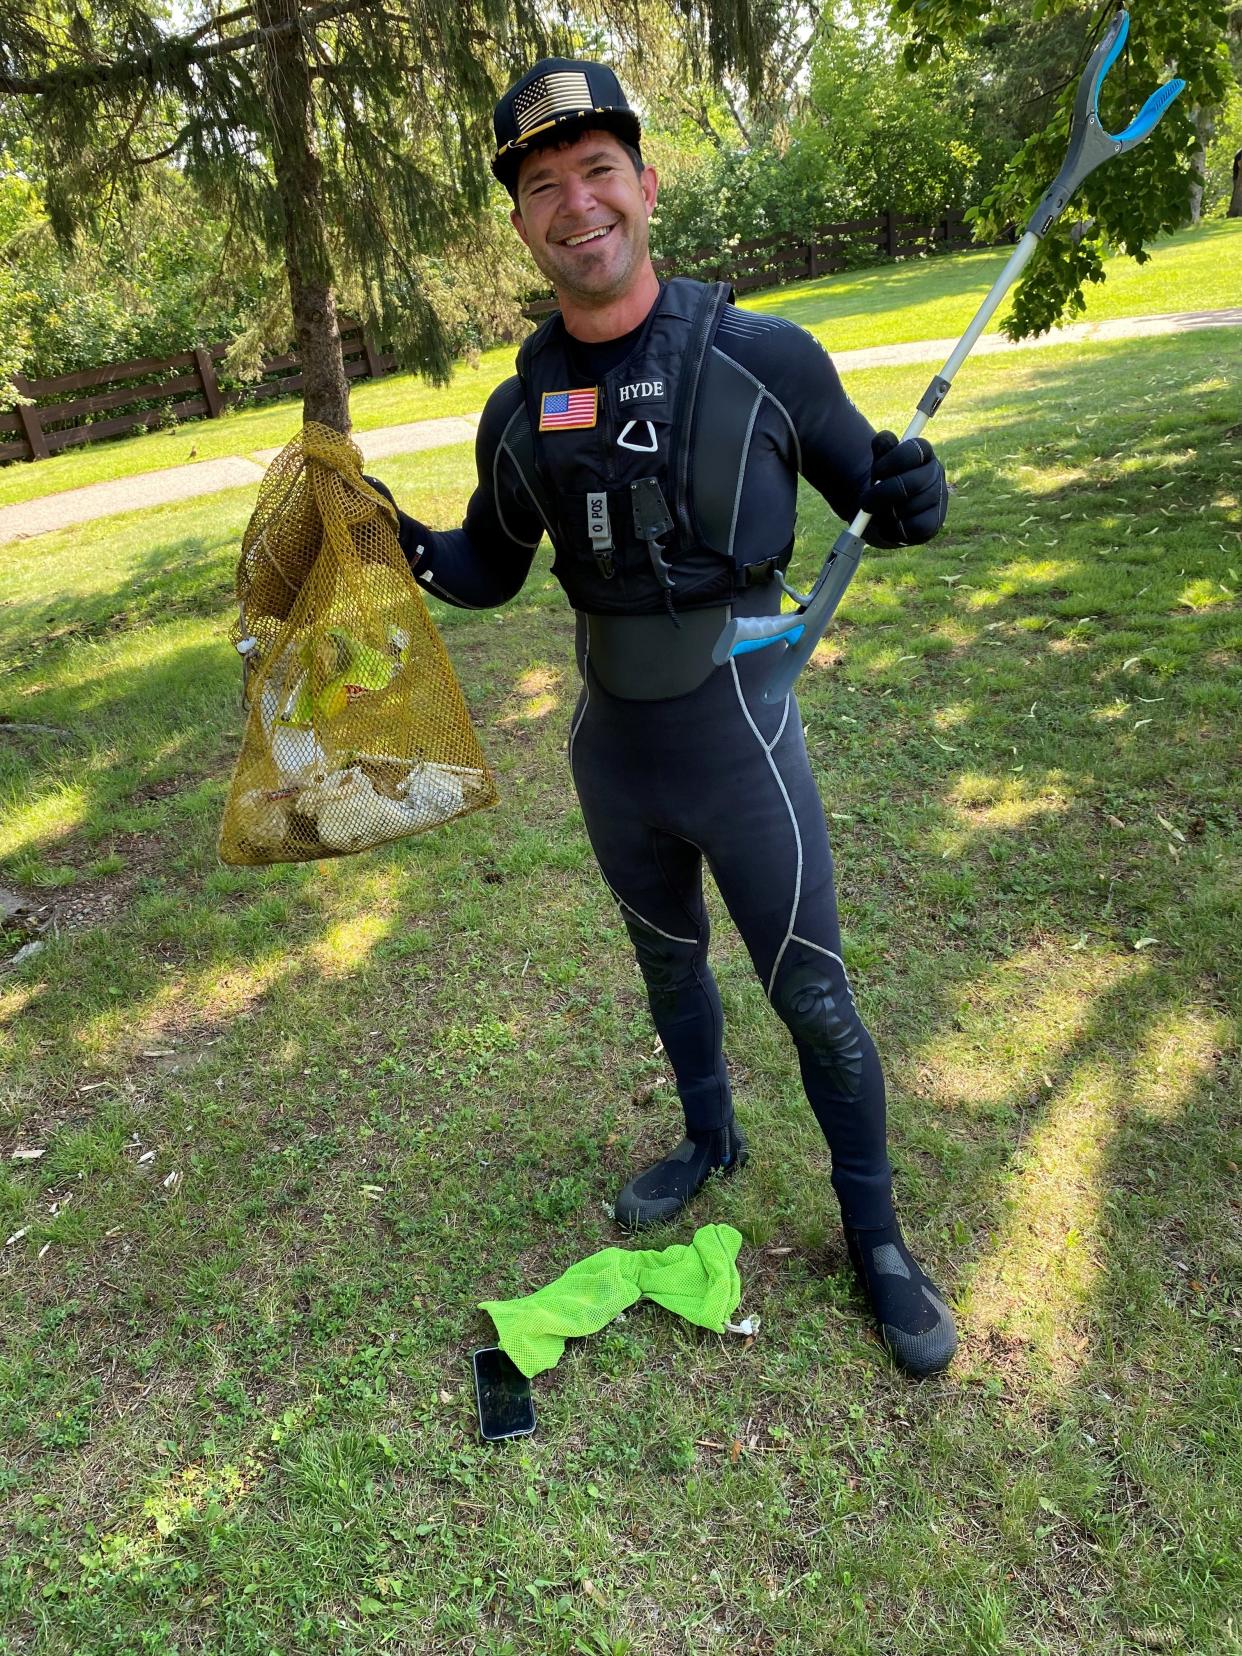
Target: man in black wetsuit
x,y
656,433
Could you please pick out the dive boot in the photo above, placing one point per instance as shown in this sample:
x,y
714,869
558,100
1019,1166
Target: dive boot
x,y
911,1317
662,1191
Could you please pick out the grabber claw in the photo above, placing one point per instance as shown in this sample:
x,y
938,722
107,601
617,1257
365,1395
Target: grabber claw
x,y
1090,144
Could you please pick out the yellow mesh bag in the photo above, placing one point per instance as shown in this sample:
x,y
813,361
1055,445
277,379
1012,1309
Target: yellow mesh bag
x,y
357,731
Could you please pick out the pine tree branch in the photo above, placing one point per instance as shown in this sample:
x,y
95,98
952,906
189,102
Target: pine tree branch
x,y
162,155
219,22
178,48
120,150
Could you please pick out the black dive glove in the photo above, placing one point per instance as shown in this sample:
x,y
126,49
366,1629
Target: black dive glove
x,y
907,495
409,533
382,488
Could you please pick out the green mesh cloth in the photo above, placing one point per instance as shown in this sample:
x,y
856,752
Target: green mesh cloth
x,y
698,1280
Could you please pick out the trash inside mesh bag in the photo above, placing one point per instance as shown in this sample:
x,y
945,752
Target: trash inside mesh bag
x,y
357,731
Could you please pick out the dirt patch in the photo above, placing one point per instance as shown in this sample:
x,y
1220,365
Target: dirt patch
x,y
158,790
98,902
19,911
27,917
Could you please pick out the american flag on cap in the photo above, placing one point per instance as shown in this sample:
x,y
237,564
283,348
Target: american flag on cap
x,y
551,95
569,410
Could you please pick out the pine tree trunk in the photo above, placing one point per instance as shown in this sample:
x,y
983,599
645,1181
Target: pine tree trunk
x,y
1235,200
299,181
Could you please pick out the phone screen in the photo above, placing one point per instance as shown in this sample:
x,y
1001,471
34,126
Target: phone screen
x,y
506,1408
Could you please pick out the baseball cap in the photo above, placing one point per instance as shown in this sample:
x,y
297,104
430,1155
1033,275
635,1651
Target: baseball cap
x,y
556,93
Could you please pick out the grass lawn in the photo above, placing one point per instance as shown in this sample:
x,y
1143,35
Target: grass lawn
x,y
886,305
935,298
296,1123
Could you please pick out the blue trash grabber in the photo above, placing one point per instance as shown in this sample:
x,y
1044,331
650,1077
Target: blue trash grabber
x,y
798,631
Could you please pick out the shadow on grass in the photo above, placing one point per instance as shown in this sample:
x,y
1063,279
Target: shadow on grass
x,y
54,618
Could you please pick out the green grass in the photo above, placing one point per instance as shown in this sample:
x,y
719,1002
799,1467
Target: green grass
x,y
235,1411
1197,269
886,305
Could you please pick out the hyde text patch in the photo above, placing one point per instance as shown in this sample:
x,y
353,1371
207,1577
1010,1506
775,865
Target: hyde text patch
x,y
640,391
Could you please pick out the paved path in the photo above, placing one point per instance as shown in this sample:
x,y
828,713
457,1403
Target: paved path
x,y
1123,327
204,477
127,494
404,439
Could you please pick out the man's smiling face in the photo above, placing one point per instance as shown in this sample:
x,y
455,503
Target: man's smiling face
x,y
583,213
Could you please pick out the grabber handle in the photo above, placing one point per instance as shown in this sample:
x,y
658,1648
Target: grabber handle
x,y
754,632
799,630
1090,146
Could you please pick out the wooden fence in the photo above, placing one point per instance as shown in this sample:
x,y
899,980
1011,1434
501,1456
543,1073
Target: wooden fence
x,y
64,411
136,396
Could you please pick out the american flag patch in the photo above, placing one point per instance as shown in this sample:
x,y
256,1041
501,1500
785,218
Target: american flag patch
x,y
550,96
568,410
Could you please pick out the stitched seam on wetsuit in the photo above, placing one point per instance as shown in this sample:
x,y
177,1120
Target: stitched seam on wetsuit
x,y
741,472
723,1094
793,430
745,330
741,368
775,401
642,918
781,731
427,581
737,321
793,820
807,944
577,725
722,1086
586,702
503,447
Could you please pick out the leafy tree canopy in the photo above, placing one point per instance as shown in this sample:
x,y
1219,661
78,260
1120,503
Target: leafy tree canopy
x,y
394,140
1126,203
665,65
157,132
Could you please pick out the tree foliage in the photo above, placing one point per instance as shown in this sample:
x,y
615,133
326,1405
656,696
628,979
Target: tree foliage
x,y
149,135
157,279
395,132
862,135
911,142
1124,204
662,59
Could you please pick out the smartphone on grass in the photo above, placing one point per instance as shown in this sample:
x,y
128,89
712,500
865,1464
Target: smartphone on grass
x,y
506,1407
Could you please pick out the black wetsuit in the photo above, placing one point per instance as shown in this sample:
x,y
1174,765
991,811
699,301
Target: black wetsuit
x,y
705,770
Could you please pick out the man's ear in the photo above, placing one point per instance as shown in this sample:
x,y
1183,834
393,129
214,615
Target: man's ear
x,y
649,183
515,219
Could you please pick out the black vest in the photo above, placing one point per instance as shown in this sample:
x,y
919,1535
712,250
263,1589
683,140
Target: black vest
x,y
614,470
